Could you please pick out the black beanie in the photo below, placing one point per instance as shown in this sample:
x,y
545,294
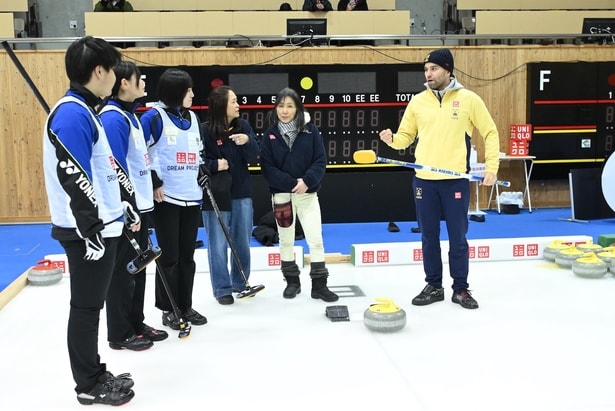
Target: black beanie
x,y
441,57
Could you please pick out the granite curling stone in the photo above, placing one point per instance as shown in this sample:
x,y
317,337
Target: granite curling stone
x,y
45,273
608,256
589,266
384,316
564,258
552,249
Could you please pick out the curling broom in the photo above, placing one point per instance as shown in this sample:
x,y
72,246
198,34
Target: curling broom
x,y
370,157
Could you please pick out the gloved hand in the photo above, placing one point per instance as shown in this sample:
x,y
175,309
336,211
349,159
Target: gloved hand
x,y
204,175
131,216
94,247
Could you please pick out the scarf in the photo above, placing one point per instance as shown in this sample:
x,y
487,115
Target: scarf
x,y
289,132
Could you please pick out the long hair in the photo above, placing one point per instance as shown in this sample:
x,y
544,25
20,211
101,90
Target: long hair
x,y
299,115
217,121
87,53
124,70
173,85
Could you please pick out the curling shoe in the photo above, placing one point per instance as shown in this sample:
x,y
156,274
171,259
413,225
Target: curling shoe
x,y
170,320
194,317
429,295
153,334
134,343
465,299
106,393
225,299
123,381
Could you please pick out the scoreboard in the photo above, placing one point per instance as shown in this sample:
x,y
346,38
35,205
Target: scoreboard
x,y
349,104
571,107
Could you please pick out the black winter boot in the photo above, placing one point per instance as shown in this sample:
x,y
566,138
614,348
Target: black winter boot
x,y
319,274
291,274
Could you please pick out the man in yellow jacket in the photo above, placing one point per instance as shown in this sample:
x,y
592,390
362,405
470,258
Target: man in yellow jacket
x,y
444,115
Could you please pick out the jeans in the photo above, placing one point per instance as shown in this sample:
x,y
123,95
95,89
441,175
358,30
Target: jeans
x,y
239,222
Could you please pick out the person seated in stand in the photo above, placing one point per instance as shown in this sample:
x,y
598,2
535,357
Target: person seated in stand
x,y
285,7
317,5
113,5
352,5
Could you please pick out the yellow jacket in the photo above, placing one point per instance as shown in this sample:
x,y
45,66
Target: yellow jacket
x,y
444,130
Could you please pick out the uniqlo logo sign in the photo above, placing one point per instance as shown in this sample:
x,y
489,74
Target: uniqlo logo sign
x,y
382,256
417,254
367,257
274,259
518,250
483,252
479,252
59,264
180,158
532,250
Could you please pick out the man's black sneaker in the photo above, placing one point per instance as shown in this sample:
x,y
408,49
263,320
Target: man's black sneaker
x,y
429,295
153,334
106,393
465,299
123,381
170,320
194,317
134,343
225,299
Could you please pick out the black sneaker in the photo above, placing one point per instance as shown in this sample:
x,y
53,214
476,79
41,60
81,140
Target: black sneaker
x,y
134,343
194,317
123,381
429,295
105,393
225,299
170,320
465,299
153,334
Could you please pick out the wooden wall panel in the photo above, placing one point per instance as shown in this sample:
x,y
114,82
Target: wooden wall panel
x,y
7,26
247,23
22,194
525,21
13,5
535,4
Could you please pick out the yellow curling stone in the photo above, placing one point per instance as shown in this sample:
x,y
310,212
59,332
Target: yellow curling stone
x,y
384,316
589,266
45,273
608,256
552,249
589,247
564,258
